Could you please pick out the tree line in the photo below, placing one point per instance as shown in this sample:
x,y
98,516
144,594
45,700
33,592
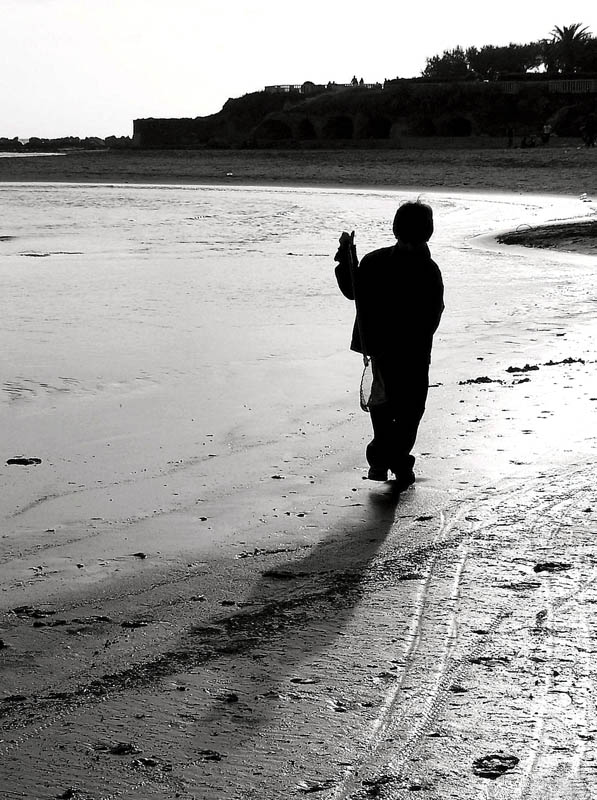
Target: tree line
x,y
570,51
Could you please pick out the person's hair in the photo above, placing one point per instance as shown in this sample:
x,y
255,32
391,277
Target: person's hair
x,y
413,223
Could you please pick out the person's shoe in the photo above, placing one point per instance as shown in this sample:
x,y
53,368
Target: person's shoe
x,y
377,474
404,480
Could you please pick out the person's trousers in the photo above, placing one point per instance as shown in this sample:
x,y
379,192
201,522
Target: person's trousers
x,y
396,420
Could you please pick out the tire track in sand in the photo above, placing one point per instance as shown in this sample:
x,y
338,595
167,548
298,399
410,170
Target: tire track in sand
x,y
395,737
390,718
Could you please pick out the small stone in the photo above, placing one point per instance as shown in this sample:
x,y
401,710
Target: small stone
x,y
210,755
552,566
145,762
123,749
228,697
494,765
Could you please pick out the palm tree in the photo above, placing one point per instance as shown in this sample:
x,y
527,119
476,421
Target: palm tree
x,y
565,46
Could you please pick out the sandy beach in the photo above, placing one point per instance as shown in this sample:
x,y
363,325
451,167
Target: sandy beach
x,y
563,167
202,595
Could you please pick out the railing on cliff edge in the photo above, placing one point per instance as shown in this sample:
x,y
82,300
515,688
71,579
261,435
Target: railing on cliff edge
x,y
561,86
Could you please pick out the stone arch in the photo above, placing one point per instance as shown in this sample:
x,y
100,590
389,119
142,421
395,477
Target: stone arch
x,y
422,126
457,126
274,130
305,129
380,127
373,127
339,127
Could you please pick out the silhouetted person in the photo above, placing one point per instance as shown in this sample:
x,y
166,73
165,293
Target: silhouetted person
x,y
400,301
589,131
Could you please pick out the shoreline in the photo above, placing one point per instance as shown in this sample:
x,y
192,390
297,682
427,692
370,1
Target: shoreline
x,y
200,587
559,170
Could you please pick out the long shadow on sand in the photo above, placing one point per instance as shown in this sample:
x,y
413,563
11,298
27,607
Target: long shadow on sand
x,y
243,660
294,612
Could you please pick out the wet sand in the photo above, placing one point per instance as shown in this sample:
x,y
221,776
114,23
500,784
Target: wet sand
x,y
563,168
575,237
318,634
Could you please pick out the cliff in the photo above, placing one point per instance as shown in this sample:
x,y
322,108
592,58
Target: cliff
x,y
380,114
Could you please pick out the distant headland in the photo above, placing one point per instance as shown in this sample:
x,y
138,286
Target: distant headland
x,y
517,111
522,93
359,114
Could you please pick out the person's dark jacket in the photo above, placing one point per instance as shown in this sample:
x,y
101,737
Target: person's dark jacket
x,y
399,297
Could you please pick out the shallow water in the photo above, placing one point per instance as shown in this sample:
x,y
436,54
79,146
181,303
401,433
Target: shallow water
x,y
147,318
107,285
28,155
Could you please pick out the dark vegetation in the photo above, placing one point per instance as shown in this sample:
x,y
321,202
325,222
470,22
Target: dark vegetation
x,y
570,52
37,145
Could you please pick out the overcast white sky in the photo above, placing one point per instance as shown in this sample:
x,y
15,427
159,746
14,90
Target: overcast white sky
x,y
89,67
